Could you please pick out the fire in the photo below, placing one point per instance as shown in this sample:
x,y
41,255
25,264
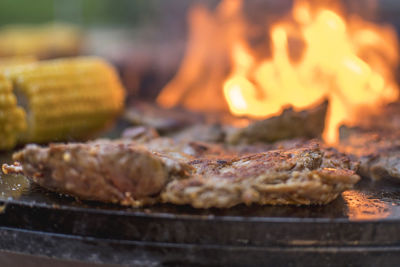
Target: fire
x,y
342,58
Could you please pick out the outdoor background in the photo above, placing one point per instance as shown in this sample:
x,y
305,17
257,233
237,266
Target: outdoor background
x,y
146,39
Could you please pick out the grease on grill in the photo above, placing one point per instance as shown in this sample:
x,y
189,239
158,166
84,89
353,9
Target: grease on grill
x,y
13,186
362,207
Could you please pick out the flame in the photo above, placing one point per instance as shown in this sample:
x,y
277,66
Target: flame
x,y
345,59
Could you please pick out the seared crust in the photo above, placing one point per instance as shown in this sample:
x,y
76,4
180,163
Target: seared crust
x,y
289,124
105,171
378,152
199,174
375,142
295,176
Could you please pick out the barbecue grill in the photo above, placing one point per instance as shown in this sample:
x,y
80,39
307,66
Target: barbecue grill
x,y
360,228
42,228
47,228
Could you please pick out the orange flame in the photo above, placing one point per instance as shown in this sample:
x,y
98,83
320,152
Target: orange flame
x,y
349,61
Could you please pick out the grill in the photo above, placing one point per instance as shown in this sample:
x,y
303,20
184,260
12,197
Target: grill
x,y
360,227
42,228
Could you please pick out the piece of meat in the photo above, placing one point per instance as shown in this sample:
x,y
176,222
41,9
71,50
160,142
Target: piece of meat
x,y
118,172
140,133
296,176
181,148
385,119
220,127
15,168
377,150
163,120
201,132
289,124
374,141
200,174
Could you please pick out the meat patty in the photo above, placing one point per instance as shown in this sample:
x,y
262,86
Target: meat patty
x,y
296,176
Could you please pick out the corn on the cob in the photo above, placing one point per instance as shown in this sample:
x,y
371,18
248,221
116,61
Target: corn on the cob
x,y
42,41
66,98
12,118
7,62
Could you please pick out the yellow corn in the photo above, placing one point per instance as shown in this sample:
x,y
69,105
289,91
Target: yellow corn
x,y
12,118
7,62
41,41
66,99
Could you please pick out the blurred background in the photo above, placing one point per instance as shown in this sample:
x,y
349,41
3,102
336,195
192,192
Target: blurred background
x,y
145,39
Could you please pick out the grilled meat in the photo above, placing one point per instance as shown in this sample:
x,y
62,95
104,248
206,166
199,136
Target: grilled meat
x,y
375,143
218,127
200,174
377,151
386,119
290,124
118,172
163,120
296,176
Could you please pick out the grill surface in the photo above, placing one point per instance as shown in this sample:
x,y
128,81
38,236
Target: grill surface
x,y
360,227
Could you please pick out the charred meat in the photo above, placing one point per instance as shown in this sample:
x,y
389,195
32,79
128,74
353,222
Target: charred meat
x,y
107,171
377,151
296,176
375,143
290,124
199,174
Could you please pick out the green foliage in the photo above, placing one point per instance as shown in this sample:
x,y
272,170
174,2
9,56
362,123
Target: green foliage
x,y
84,12
117,11
26,11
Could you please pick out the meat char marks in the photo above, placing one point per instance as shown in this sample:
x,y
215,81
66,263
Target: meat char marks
x,y
303,175
117,172
130,173
378,152
375,143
